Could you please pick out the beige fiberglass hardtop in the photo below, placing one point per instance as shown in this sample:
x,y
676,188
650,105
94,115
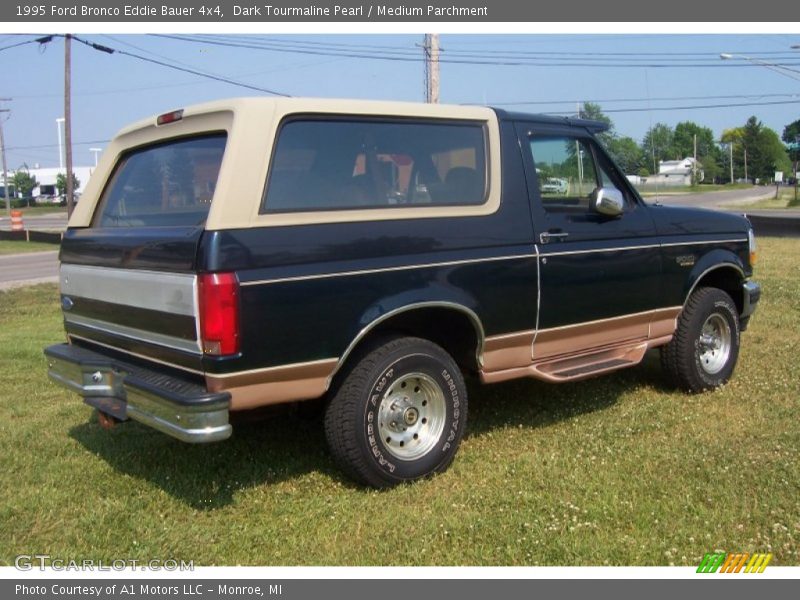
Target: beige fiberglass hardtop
x,y
251,125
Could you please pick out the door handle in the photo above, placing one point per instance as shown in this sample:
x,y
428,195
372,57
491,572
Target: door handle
x,y
547,236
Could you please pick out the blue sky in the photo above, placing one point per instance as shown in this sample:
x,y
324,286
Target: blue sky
x,y
110,91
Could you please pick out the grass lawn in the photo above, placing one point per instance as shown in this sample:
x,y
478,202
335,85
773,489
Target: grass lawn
x,y
648,191
43,209
17,247
618,470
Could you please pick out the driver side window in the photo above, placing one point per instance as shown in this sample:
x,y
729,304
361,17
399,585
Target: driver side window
x,y
567,173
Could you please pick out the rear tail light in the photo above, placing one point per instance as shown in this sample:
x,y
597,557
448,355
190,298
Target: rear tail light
x,y
219,313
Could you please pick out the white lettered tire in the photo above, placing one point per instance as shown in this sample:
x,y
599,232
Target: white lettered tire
x,y
398,414
702,355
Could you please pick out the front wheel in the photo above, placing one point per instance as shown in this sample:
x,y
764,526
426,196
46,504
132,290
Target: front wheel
x,y
399,414
703,352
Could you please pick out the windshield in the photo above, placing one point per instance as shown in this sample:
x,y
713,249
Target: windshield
x,y
164,185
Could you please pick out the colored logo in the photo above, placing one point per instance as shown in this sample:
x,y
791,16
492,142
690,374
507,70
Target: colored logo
x,y
726,562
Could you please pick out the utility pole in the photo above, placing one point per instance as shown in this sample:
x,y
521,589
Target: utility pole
x,y
430,47
797,160
730,149
68,120
745,164
5,165
694,165
59,121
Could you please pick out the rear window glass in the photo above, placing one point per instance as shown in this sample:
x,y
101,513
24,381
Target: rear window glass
x,y
169,184
338,164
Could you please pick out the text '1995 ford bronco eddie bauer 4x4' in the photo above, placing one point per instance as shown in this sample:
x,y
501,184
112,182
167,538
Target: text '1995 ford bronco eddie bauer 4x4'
x,y
252,252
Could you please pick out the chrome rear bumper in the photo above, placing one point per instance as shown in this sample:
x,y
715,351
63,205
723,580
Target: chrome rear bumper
x,y
181,409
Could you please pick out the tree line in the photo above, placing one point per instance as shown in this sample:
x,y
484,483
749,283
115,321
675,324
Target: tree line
x,y
757,151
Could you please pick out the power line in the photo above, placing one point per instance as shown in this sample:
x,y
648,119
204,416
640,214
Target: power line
x,y
40,40
219,78
187,83
404,56
146,51
262,39
662,99
695,107
40,146
454,50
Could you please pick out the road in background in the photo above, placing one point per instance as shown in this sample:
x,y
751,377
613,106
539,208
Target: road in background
x,y
54,221
726,199
26,269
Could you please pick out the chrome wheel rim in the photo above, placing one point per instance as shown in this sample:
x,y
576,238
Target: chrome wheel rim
x,y
714,344
411,416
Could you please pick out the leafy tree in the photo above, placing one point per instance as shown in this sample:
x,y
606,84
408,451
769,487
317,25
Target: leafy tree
x,y
713,166
683,139
765,151
776,156
594,112
791,135
708,153
736,137
61,183
659,144
24,182
627,153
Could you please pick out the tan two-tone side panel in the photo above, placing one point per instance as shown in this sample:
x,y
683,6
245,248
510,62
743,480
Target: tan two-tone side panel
x,y
525,348
559,341
664,323
502,352
274,385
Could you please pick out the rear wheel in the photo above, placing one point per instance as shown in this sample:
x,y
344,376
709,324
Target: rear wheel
x,y
703,353
399,413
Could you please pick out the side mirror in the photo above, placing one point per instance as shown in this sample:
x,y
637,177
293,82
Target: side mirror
x,y
609,202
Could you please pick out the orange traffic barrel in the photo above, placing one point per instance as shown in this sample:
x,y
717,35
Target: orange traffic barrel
x,y
16,221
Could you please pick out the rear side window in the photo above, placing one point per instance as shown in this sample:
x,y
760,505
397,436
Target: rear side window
x,y
343,164
168,184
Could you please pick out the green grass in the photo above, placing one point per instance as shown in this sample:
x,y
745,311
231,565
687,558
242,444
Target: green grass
x,y
648,191
18,247
618,470
43,209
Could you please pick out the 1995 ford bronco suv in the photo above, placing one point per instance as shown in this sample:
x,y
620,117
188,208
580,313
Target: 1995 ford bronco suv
x,y
252,252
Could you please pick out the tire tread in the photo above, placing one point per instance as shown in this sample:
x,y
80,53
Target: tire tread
x,y
343,415
677,357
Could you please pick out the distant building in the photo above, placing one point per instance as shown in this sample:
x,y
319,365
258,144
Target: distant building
x,y
676,172
636,179
47,179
